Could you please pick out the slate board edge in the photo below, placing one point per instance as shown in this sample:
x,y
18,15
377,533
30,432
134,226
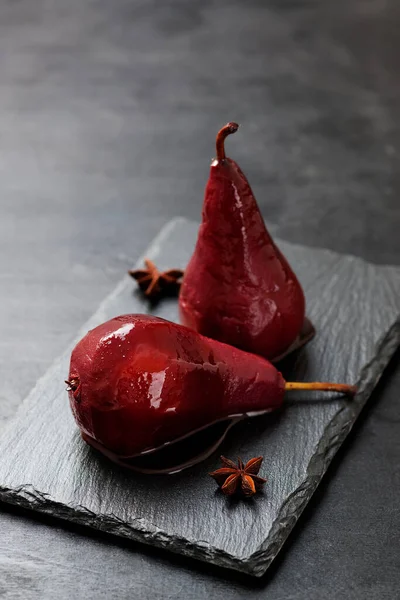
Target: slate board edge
x,y
334,435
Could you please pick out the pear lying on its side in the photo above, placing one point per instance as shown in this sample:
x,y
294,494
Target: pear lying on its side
x,y
138,382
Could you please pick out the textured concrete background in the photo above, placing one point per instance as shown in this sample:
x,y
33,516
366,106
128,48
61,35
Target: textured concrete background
x,y
108,113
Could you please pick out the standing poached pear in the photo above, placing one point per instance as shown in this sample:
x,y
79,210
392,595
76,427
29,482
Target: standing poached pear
x,y
238,288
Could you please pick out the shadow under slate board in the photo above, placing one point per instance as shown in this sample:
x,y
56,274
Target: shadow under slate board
x,y
46,467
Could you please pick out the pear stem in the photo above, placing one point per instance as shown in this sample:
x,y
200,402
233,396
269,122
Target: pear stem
x,y
221,135
341,388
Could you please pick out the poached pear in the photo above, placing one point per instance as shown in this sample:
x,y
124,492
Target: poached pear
x,y
138,383
238,287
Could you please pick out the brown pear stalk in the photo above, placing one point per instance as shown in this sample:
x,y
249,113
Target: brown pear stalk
x,y
341,388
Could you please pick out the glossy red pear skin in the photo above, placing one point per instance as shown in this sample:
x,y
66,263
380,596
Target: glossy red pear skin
x,y
238,287
145,381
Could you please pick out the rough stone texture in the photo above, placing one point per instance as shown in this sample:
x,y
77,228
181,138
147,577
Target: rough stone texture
x,y
46,467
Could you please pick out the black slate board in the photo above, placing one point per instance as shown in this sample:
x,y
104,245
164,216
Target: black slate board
x,y
46,467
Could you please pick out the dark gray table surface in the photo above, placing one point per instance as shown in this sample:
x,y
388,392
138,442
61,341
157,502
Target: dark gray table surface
x,y
108,112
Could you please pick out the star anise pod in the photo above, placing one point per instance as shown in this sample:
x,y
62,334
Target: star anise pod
x,y
239,478
153,283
